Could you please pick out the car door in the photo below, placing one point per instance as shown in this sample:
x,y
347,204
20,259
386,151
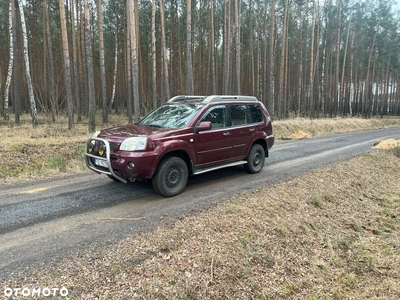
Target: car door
x,y
214,146
241,129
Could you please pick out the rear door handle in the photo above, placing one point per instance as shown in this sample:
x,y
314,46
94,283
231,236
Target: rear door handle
x,y
252,129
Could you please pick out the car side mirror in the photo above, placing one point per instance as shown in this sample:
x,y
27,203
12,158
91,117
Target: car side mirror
x,y
203,126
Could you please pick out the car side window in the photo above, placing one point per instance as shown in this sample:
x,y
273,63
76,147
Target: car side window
x,y
256,114
238,114
217,117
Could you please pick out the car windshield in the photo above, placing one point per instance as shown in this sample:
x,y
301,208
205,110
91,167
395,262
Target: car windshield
x,y
171,116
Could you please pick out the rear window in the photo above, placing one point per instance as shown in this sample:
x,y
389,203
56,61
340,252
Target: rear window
x,y
239,114
256,114
245,114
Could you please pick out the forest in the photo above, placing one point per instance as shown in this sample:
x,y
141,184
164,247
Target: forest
x,y
301,58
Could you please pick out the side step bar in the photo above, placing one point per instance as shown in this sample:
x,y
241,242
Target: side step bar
x,y
232,164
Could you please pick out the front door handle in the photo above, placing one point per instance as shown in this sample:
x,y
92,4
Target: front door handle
x,y
226,133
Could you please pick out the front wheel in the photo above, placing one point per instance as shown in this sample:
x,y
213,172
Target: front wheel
x,y
256,159
171,177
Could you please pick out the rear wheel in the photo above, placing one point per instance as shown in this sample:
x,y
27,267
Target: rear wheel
x,y
256,159
171,177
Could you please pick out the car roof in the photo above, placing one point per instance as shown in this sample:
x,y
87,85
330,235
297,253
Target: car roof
x,y
212,98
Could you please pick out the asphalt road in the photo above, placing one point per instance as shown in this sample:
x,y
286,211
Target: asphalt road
x,y
44,221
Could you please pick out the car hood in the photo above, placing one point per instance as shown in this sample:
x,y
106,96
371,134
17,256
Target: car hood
x,y
130,130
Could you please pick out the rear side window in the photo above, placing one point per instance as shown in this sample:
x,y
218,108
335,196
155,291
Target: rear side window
x,y
239,114
256,114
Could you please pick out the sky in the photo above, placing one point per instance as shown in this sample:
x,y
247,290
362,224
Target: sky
x,y
396,6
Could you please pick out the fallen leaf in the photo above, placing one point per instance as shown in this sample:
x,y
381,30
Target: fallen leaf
x,y
165,256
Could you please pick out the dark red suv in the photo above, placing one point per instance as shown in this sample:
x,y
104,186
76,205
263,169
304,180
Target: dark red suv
x,y
188,135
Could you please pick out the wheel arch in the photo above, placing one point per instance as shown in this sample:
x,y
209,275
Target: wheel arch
x,y
177,153
261,142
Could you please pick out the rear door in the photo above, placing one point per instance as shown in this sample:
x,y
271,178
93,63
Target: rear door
x,y
215,145
242,129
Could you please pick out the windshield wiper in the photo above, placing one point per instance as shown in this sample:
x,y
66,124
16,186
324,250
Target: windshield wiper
x,y
155,125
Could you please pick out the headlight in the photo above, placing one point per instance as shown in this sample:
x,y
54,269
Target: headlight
x,y
134,144
96,134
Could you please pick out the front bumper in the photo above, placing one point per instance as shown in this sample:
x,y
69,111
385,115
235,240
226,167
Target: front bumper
x,y
122,165
100,163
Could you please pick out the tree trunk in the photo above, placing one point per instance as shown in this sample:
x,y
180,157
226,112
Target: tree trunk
x,y
282,68
212,79
89,67
270,95
337,99
299,78
316,61
134,61
83,60
67,65
102,63
311,88
16,76
153,54
367,101
27,66
115,71
385,101
189,72
227,46
237,42
128,82
11,16
252,90
374,79
138,51
128,64
79,80
74,56
165,95
52,94
343,107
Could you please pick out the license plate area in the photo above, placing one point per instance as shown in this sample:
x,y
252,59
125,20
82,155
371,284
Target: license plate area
x,y
100,163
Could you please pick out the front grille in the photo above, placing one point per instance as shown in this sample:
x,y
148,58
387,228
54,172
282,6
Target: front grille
x,y
114,147
99,147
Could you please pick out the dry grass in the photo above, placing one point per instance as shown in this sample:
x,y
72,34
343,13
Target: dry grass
x,y
287,129
330,234
48,149
51,149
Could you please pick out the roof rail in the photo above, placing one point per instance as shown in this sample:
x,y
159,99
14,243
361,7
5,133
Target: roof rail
x,y
183,98
219,98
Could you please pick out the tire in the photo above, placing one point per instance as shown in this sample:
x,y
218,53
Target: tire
x,y
171,176
256,159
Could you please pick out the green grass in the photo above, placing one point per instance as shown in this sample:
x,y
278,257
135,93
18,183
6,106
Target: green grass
x,y
396,151
57,162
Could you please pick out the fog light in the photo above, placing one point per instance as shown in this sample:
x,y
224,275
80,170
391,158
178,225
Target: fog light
x,y
90,147
131,164
101,151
